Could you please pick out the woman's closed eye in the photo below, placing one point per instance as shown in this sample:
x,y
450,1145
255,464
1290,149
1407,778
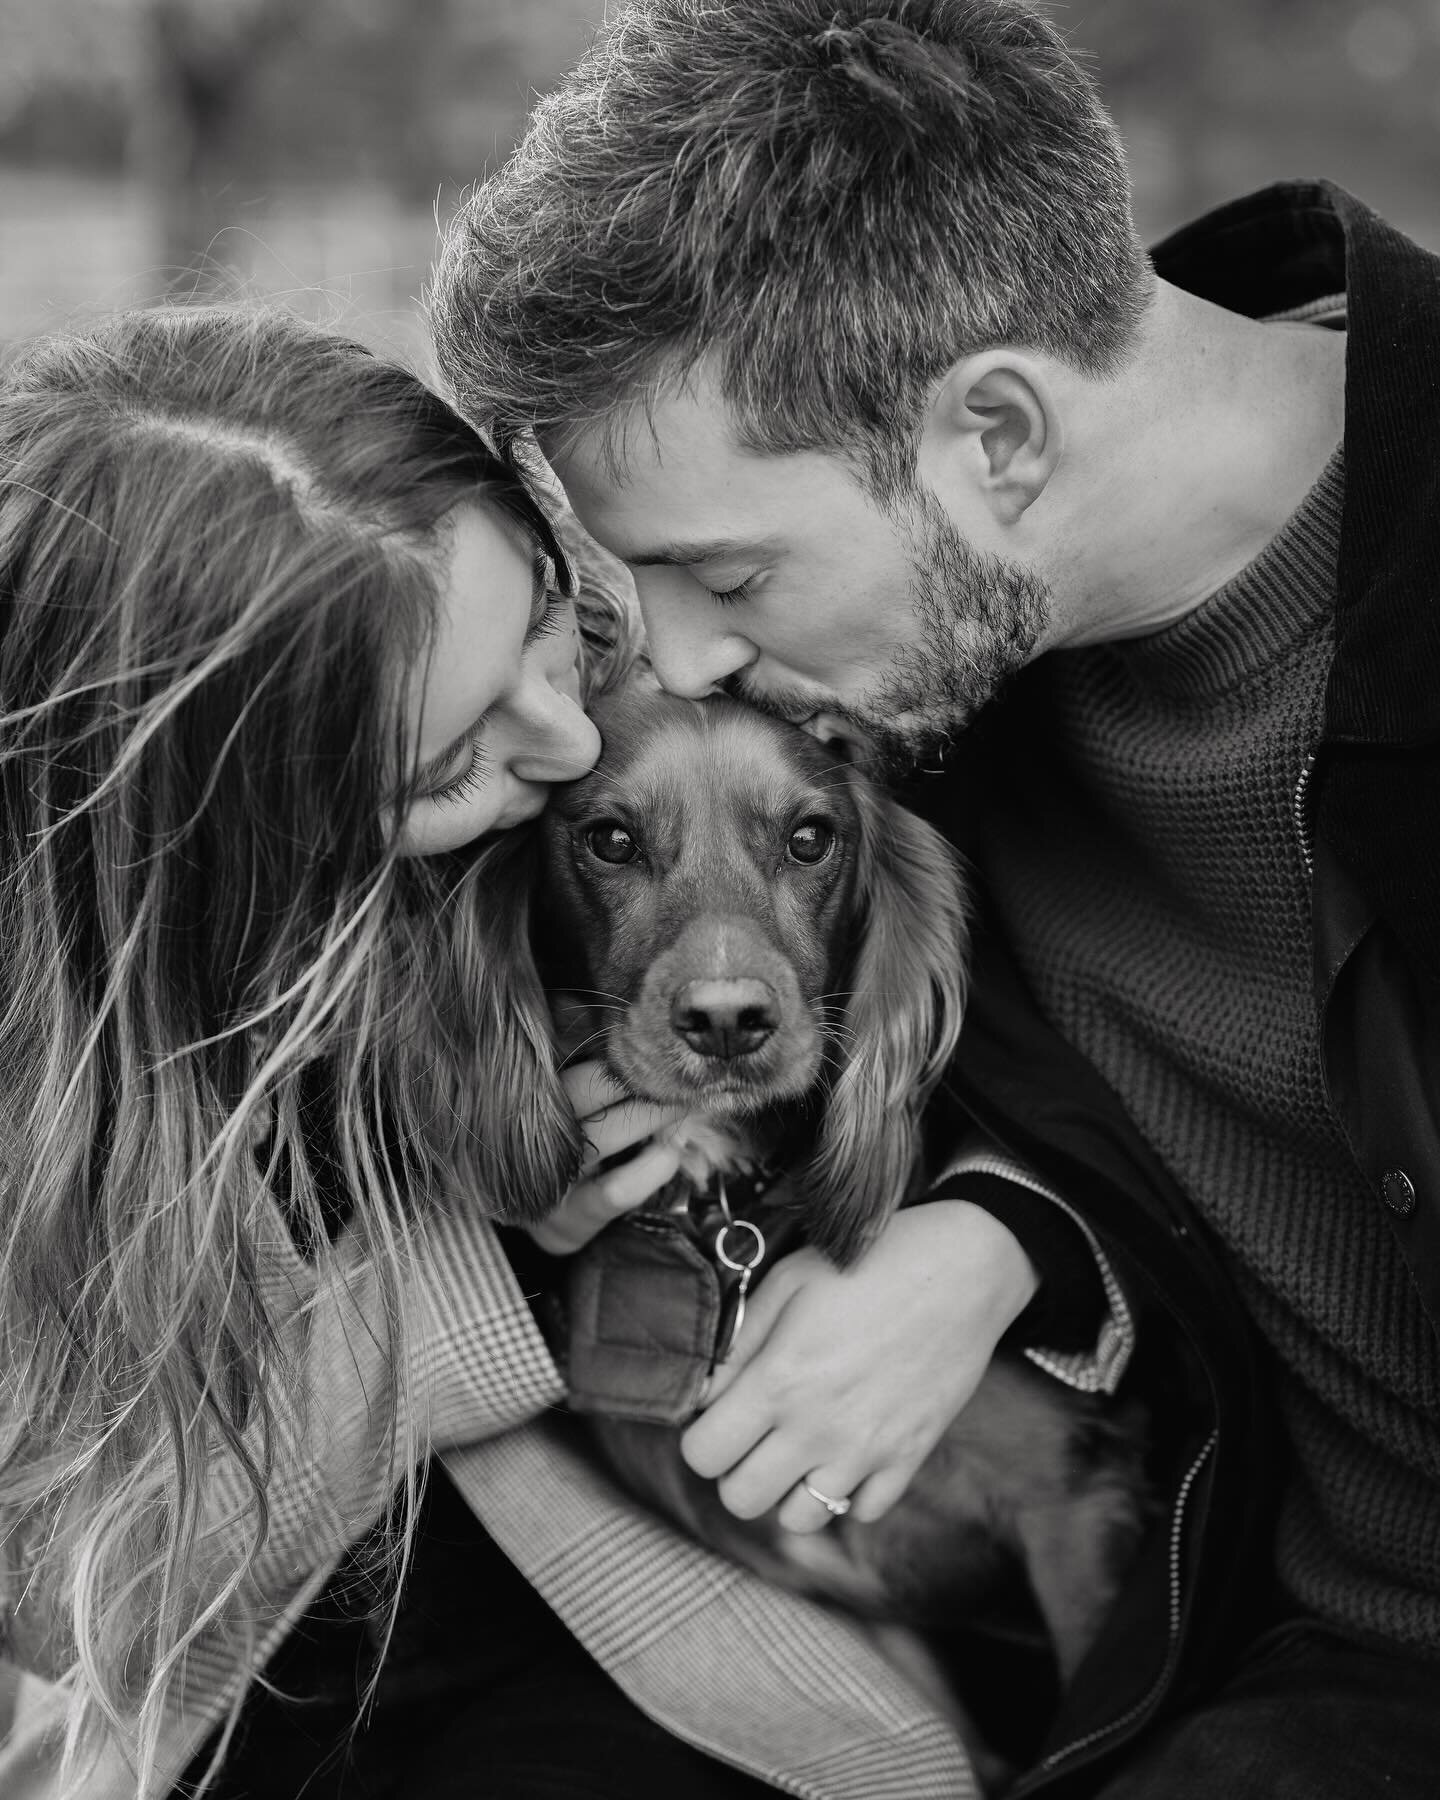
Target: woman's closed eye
x,y
494,708
470,768
466,767
553,615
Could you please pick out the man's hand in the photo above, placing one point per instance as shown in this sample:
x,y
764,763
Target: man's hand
x,y
611,1123
846,1379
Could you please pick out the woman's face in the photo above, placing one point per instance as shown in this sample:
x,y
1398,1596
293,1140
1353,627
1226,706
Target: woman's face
x,y
497,710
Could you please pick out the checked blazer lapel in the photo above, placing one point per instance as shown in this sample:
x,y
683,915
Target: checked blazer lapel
x,y
757,1677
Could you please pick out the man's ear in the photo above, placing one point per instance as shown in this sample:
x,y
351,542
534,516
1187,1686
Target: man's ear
x,y
993,428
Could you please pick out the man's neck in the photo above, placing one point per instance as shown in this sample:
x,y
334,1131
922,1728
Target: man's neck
x,y
1195,458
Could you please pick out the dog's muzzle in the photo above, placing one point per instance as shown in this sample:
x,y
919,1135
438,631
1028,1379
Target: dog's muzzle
x,y
725,1019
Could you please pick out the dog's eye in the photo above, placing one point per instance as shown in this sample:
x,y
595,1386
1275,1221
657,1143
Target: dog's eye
x,y
612,843
811,842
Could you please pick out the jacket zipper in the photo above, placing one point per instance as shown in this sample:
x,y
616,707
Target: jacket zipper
x,y
1177,1531
1152,1694
1299,807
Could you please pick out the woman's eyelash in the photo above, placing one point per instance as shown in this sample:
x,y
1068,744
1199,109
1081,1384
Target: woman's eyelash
x,y
551,620
459,787
471,777
732,596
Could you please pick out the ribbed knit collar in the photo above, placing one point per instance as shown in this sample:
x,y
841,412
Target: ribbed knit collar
x,y
1259,614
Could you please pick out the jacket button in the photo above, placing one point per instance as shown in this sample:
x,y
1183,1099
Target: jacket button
x,y
1398,1192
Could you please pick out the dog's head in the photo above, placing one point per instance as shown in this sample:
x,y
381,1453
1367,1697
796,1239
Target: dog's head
x,y
745,921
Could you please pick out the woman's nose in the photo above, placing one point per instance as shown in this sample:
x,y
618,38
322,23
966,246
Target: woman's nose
x,y
558,742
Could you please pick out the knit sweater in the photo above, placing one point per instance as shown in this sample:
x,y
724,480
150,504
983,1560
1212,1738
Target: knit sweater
x,y
1149,871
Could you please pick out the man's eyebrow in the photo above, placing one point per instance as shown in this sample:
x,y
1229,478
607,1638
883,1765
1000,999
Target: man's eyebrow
x,y
680,553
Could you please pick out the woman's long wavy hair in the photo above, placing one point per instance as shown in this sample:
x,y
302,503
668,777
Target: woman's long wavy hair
x,y
221,558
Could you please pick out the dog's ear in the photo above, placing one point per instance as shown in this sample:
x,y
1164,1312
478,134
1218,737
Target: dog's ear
x,y
907,994
525,1155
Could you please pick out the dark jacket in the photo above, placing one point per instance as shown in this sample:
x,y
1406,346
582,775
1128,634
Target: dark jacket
x,y
1368,816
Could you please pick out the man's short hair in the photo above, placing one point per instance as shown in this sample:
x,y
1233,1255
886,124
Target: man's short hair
x,y
828,202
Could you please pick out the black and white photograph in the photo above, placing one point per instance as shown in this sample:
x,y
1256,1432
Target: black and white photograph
x,y
719,899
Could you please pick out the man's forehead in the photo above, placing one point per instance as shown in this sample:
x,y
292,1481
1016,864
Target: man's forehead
x,y
674,510
670,439
646,535
681,490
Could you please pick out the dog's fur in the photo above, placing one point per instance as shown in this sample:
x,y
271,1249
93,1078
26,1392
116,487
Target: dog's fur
x,y
812,1006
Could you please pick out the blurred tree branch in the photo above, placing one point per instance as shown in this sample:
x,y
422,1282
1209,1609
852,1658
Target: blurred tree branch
x,y
221,105
220,102
204,60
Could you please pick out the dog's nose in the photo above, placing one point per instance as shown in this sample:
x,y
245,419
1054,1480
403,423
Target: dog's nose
x,y
726,1019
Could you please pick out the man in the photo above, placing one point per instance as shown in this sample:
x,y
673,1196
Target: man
x,y
832,318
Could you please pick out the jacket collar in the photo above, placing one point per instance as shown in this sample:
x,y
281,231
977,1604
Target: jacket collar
x,y
1298,242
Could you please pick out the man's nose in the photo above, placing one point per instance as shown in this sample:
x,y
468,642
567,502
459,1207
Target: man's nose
x,y
685,634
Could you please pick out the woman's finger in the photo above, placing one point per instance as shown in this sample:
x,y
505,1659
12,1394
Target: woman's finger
x,y
762,1479
762,1309
623,1126
821,1496
631,1183
722,1436
878,1492
610,1120
591,1204
590,1088
579,1216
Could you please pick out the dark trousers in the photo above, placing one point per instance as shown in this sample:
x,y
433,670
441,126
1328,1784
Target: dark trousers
x,y
1308,1714
483,1695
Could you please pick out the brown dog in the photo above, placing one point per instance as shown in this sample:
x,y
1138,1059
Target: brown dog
x,y
744,924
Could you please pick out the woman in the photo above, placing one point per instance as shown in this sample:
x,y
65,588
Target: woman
x,y
280,638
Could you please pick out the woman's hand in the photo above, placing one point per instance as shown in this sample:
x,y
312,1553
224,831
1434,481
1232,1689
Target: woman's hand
x,y
847,1378
611,1123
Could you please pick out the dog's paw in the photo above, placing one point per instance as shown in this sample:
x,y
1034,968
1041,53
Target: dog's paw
x,y
707,1144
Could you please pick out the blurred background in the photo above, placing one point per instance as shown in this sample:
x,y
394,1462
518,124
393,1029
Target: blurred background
x,y
307,147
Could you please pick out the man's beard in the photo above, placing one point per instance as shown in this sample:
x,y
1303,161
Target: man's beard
x,y
981,618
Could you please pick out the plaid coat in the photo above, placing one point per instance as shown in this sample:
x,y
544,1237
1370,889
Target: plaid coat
x,y
752,1675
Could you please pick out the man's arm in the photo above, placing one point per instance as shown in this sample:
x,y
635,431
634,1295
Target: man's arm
x,y
1079,1327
